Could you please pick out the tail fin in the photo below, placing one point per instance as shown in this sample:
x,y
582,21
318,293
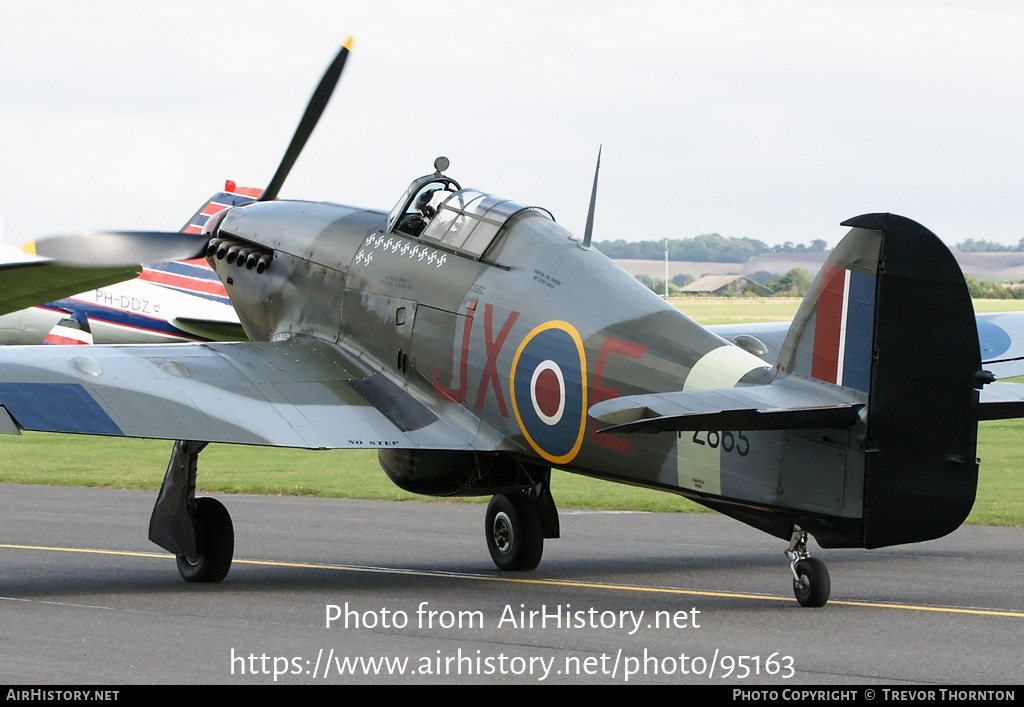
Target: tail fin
x,y
890,315
196,277
233,195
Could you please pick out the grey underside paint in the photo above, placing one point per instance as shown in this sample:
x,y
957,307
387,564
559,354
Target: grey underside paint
x,y
299,392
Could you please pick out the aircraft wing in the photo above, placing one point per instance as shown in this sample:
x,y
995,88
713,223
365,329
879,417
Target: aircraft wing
x,y
27,283
1001,335
300,392
784,404
1002,343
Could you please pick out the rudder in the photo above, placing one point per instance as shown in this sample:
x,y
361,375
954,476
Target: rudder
x,y
890,315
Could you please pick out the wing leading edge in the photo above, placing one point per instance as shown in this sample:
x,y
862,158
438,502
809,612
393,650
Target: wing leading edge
x,y
300,392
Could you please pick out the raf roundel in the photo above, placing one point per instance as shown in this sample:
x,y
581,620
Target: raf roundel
x,y
549,396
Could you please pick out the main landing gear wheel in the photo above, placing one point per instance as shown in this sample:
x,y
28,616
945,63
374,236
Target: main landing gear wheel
x,y
215,543
812,584
514,532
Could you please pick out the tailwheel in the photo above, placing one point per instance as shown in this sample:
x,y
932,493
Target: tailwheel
x,y
215,543
811,583
515,535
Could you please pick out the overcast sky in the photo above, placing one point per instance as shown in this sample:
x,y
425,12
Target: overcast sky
x,y
772,120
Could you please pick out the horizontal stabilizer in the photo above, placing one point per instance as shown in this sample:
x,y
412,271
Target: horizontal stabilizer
x,y
1001,401
783,405
73,331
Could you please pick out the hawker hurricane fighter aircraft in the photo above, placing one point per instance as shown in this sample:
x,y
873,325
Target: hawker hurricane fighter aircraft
x,y
477,344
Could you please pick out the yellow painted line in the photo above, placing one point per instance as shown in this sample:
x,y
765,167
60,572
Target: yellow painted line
x,y
85,551
939,609
538,582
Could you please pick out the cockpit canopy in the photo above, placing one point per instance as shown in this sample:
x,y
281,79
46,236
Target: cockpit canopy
x,y
439,211
406,217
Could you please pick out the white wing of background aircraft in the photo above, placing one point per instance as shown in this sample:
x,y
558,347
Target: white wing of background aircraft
x,y
1000,334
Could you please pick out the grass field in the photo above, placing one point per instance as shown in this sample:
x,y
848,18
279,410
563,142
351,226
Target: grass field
x,y
736,310
67,460
140,464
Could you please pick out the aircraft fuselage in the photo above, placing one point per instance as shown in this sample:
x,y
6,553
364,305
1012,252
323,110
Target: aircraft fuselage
x,y
527,338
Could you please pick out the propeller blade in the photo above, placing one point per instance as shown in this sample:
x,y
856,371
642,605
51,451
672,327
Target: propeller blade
x,y
309,120
117,248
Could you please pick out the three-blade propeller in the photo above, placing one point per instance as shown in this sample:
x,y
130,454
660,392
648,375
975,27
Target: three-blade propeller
x,y
115,248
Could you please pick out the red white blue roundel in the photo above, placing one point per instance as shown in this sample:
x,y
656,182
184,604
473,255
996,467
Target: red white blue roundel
x,y
549,395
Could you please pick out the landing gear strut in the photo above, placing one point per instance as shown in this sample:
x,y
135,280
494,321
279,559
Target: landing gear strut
x,y
811,583
197,530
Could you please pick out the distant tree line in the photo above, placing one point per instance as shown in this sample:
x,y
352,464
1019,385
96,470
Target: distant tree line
x,y
715,248
794,283
983,246
797,282
708,248
991,289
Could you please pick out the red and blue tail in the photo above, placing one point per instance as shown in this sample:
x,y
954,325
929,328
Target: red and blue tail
x,y
195,276
232,195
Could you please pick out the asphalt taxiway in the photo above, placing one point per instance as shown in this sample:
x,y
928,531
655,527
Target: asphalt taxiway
x,y
643,597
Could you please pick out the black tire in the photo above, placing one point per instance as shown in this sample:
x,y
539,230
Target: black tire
x,y
215,543
814,586
515,536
